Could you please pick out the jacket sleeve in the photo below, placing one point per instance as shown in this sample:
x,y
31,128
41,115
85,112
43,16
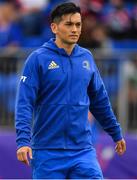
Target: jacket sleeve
x,y
25,101
100,106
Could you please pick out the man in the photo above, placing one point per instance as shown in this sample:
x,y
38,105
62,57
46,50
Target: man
x,y
60,84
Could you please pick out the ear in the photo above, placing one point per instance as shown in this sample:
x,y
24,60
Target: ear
x,y
54,28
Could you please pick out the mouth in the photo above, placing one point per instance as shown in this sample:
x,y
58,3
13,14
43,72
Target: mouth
x,y
74,36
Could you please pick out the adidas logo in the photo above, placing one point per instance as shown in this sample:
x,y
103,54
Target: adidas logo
x,y
53,65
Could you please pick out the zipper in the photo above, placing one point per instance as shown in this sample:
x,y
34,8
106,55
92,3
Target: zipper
x,y
68,100
69,74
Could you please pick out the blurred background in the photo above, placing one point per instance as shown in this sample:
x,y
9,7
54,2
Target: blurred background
x,y
110,32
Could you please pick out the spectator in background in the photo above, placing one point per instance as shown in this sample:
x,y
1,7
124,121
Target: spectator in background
x,y
34,22
98,38
96,8
32,5
10,32
117,18
92,17
90,6
84,5
134,22
89,22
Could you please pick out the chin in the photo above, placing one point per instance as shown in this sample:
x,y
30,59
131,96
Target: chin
x,y
73,41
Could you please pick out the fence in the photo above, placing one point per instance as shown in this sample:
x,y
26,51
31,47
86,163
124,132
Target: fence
x,y
118,70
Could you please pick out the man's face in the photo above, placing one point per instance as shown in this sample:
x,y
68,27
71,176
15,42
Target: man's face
x,y
68,29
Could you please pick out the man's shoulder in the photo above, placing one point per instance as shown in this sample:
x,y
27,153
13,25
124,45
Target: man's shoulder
x,y
38,53
34,56
85,50
41,50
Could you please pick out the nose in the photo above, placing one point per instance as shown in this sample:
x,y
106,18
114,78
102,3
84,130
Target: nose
x,y
74,29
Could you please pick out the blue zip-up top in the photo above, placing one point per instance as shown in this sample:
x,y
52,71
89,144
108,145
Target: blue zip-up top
x,y
60,89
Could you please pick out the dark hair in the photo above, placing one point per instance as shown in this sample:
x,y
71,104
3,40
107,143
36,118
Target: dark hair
x,y
63,9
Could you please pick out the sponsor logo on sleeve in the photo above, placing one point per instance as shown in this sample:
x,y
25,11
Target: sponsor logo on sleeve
x,y
23,78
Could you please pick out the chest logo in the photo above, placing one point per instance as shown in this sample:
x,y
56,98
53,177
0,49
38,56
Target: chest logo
x,y
86,65
53,65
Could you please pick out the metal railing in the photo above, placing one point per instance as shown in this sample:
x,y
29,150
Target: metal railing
x,y
118,70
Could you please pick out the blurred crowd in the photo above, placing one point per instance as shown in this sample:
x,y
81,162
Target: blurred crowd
x,y
109,22
107,25
25,23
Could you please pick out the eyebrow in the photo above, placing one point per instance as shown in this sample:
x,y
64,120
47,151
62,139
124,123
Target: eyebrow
x,y
79,22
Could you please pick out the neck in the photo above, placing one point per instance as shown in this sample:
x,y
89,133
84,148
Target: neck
x,y
68,47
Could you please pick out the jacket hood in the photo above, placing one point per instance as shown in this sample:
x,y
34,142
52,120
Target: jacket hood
x,y
51,45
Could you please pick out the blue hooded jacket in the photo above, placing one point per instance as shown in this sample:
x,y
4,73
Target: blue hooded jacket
x,y
60,89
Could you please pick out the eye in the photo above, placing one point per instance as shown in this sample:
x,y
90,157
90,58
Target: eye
x,y
78,24
68,24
